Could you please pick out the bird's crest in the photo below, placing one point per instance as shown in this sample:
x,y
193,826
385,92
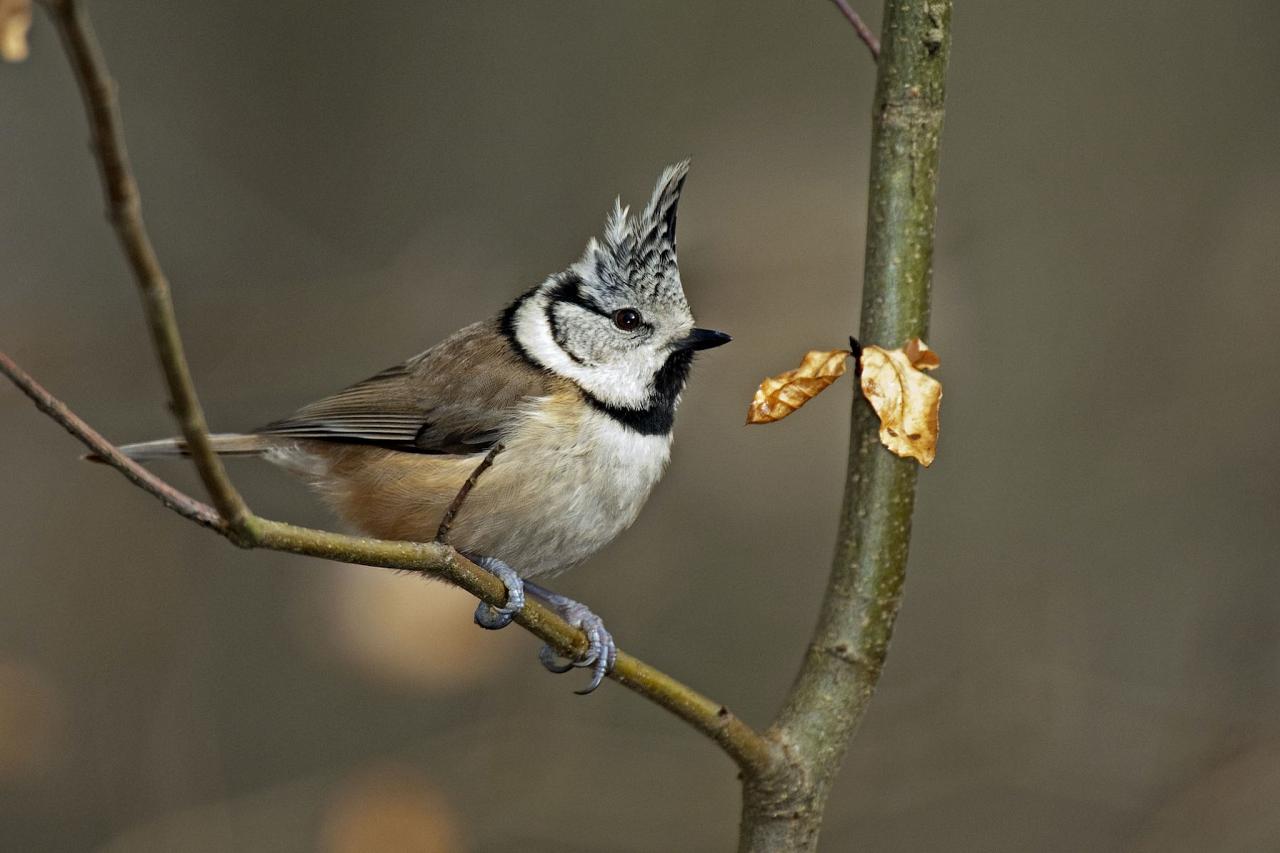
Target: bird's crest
x,y
640,252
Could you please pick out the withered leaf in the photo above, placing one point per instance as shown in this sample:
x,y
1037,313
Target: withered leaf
x,y
779,396
905,399
15,20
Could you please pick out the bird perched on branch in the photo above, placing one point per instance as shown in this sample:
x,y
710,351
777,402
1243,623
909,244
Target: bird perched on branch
x,y
578,380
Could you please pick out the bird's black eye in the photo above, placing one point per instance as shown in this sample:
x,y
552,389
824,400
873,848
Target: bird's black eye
x,y
626,319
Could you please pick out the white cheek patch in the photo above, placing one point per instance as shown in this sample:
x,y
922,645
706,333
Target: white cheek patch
x,y
628,384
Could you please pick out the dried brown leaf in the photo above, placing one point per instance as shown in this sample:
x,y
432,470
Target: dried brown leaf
x,y
779,396
920,356
905,399
15,21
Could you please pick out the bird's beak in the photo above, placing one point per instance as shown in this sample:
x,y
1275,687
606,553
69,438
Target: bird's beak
x,y
702,339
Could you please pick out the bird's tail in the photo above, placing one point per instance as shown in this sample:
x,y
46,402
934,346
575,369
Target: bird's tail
x,y
224,444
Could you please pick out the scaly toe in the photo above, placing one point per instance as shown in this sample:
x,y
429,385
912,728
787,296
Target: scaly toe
x,y
490,617
601,656
601,653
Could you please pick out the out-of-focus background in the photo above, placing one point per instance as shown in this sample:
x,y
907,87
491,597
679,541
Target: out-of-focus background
x,y
1089,653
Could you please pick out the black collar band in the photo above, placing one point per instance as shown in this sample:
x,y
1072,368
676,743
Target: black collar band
x,y
660,415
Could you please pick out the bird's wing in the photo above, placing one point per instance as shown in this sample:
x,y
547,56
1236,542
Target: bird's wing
x,y
457,397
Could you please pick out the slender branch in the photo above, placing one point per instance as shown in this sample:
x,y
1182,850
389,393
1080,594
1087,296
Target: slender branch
x,y
446,522
846,655
181,503
860,27
124,209
751,751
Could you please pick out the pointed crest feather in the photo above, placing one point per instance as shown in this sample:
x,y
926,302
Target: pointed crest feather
x,y
644,247
618,226
659,218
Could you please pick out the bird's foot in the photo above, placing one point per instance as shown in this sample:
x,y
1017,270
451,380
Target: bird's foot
x,y
602,652
493,618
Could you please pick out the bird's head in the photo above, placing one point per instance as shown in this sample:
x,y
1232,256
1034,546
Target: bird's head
x,y
617,322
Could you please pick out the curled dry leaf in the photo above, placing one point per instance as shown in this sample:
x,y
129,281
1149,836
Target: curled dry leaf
x,y
15,20
779,396
893,381
905,399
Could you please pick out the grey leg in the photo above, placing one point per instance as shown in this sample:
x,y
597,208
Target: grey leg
x,y
488,616
602,652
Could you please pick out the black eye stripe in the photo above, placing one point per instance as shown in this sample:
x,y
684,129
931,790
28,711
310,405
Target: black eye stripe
x,y
569,290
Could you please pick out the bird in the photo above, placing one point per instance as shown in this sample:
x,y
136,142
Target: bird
x,y
576,382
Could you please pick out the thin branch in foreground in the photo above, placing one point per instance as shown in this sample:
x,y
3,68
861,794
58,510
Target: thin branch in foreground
x,y
860,27
446,521
181,503
124,209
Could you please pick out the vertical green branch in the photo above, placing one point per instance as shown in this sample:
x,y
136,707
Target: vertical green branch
x,y
846,656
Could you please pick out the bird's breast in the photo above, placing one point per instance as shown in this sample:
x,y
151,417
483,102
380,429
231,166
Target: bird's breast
x,y
568,481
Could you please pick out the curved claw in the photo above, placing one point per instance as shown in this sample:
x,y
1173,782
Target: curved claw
x,y
547,656
601,653
492,618
598,673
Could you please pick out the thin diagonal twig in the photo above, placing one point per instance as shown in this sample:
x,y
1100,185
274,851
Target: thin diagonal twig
x,y
446,522
860,27
179,502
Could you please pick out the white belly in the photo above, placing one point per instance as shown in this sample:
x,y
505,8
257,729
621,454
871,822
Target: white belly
x,y
562,489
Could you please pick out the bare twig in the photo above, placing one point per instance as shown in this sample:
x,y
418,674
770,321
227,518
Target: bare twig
x,y
860,27
446,522
124,209
179,502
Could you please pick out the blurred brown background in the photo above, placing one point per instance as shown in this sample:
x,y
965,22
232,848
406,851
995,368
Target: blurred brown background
x,y
1089,654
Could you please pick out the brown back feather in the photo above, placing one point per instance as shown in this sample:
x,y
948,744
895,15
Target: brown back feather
x,y
457,397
